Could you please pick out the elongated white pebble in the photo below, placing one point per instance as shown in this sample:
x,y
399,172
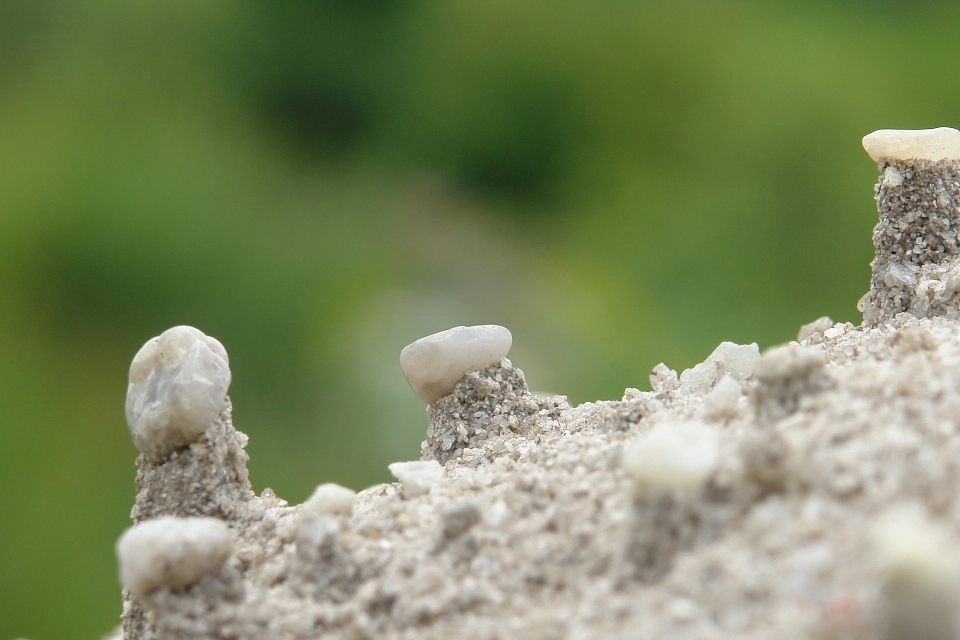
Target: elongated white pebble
x,y
178,384
942,143
171,552
433,365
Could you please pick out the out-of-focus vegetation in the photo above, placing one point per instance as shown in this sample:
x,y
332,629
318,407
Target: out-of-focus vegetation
x,y
319,183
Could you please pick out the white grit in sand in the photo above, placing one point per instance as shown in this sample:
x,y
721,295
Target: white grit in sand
x,y
812,491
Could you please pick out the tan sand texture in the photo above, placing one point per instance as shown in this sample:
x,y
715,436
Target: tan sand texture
x,y
812,491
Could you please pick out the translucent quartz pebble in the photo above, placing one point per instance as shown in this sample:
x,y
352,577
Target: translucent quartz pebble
x,y
330,499
728,358
178,384
898,275
433,365
819,325
678,455
171,552
417,477
942,143
892,178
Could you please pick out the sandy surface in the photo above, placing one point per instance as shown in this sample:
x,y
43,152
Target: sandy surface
x,y
832,511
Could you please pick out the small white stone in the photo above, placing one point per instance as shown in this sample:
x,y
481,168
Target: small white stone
x,y
819,325
899,275
942,143
171,552
722,401
678,455
892,177
835,332
178,384
728,358
433,365
330,499
663,379
417,477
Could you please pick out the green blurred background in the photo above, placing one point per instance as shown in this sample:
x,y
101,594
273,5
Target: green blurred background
x,y
318,183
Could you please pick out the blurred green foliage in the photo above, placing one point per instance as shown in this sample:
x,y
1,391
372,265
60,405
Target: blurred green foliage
x,y
318,183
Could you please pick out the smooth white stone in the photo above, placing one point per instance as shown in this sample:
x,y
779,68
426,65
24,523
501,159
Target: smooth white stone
x,y
942,143
433,365
330,499
722,400
417,477
178,384
680,455
171,552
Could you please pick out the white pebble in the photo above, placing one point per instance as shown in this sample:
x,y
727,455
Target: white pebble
x,y
678,455
417,477
178,384
942,143
330,499
892,177
433,365
722,401
663,379
819,325
898,275
171,552
728,358
835,332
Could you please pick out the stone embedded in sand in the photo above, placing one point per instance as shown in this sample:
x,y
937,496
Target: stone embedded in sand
x,y
917,251
942,143
892,178
171,552
722,400
819,325
898,276
417,477
728,358
433,365
663,379
178,384
330,499
680,455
